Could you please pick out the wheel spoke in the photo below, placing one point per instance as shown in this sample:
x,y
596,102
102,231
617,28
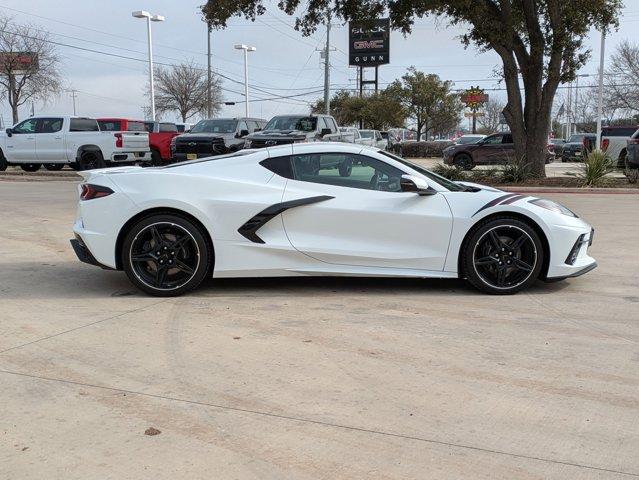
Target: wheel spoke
x,y
501,277
143,257
517,244
489,260
180,242
157,237
495,240
184,267
521,265
160,274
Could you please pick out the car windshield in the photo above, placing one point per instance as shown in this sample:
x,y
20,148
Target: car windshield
x,y
468,140
444,182
576,138
366,133
304,124
215,126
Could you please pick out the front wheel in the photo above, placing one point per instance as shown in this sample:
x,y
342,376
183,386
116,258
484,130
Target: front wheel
x,y
502,256
30,167
464,161
166,255
54,167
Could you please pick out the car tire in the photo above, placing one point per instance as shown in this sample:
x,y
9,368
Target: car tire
x,y
91,160
3,162
345,168
54,167
464,161
502,256
156,158
185,255
30,167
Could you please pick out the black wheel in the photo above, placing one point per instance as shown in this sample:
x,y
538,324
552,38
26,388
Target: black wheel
x,y
346,168
502,256
75,166
3,162
166,255
54,167
156,158
30,167
91,160
464,161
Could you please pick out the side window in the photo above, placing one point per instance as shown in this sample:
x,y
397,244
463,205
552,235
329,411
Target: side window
x,y
83,125
321,124
49,125
279,165
331,124
28,126
168,127
242,126
347,170
493,140
508,138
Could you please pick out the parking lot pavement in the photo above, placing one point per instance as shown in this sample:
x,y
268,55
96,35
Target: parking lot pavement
x,y
314,377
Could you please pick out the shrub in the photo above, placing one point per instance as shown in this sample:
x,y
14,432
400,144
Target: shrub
x,y
515,171
595,168
491,175
423,149
450,172
632,174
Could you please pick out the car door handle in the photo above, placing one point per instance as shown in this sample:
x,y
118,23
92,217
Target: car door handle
x,y
30,138
57,138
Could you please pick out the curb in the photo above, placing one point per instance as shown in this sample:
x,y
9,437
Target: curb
x,y
572,190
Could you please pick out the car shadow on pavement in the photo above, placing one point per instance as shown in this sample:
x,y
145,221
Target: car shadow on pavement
x,y
74,280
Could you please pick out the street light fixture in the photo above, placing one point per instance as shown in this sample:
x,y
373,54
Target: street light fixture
x,y
246,49
149,18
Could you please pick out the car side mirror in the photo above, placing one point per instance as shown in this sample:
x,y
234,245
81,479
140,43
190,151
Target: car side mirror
x,y
325,131
415,184
242,133
9,132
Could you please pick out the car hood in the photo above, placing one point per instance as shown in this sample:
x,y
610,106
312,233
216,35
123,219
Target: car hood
x,y
185,137
279,133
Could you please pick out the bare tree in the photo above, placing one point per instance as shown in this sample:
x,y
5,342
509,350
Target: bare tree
x,y
183,89
493,110
29,65
622,78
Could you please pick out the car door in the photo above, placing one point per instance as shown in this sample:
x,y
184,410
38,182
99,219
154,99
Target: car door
x,y
21,145
360,217
488,150
49,140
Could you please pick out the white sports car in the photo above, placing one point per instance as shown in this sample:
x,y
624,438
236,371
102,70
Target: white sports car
x,y
319,209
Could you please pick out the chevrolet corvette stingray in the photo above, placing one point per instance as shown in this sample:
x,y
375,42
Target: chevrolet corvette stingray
x,y
319,209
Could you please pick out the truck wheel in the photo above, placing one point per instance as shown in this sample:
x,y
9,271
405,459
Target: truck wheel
x,y
156,158
91,160
3,162
54,167
30,167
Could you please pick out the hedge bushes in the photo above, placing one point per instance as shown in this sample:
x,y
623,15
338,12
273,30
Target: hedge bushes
x,y
423,149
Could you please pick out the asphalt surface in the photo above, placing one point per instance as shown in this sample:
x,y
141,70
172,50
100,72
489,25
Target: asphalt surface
x,y
313,378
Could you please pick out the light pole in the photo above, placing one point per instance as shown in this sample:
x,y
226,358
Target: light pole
x,y
149,18
246,49
600,93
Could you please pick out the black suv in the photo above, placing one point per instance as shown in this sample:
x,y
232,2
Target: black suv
x,y
285,129
214,137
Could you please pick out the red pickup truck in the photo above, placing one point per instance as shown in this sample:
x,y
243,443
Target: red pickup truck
x,y
160,134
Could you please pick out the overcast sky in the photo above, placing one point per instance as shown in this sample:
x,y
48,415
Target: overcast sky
x,y
285,63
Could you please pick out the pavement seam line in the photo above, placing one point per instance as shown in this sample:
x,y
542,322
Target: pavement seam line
x,y
323,423
81,327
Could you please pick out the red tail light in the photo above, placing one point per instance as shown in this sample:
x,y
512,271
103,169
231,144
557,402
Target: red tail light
x,y
90,191
604,144
118,140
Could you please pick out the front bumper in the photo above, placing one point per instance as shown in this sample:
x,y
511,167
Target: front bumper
x,y
180,157
569,252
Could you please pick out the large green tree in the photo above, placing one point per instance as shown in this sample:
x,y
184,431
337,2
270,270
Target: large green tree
x,y
428,101
379,111
540,42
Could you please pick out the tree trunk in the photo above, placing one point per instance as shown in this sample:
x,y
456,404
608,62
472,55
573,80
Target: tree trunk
x,y
12,98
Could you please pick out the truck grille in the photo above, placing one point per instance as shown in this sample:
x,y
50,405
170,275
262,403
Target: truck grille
x,y
200,145
270,143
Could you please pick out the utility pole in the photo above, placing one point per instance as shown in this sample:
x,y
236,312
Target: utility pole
x,y
73,97
600,94
327,66
208,71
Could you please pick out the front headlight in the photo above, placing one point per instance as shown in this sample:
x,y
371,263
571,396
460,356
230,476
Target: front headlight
x,y
553,206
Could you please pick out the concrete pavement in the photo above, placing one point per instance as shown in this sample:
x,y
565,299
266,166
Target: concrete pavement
x,y
315,377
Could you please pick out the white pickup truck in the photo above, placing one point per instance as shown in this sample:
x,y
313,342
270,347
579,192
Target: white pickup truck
x,y
614,140
55,141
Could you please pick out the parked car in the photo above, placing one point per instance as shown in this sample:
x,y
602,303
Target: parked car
x,y
350,134
398,136
614,141
556,146
270,212
184,127
469,139
214,137
56,141
160,134
632,148
577,147
494,149
284,129
375,137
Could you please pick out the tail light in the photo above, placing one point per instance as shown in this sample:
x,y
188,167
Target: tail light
x,y
118,140
90,191
551,148
604,144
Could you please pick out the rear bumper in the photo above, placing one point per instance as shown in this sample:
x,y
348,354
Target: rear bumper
x,y
84,254
131,156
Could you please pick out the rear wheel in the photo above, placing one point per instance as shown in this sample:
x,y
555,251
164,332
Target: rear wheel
x,y
166,255
464,161
502,256
156,158
30,167
3,162
91,160
54,167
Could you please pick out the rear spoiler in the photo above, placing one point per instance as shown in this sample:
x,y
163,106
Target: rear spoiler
x,y
89,174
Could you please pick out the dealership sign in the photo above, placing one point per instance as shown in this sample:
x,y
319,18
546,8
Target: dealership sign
x,y
369,44
17,62
474,98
